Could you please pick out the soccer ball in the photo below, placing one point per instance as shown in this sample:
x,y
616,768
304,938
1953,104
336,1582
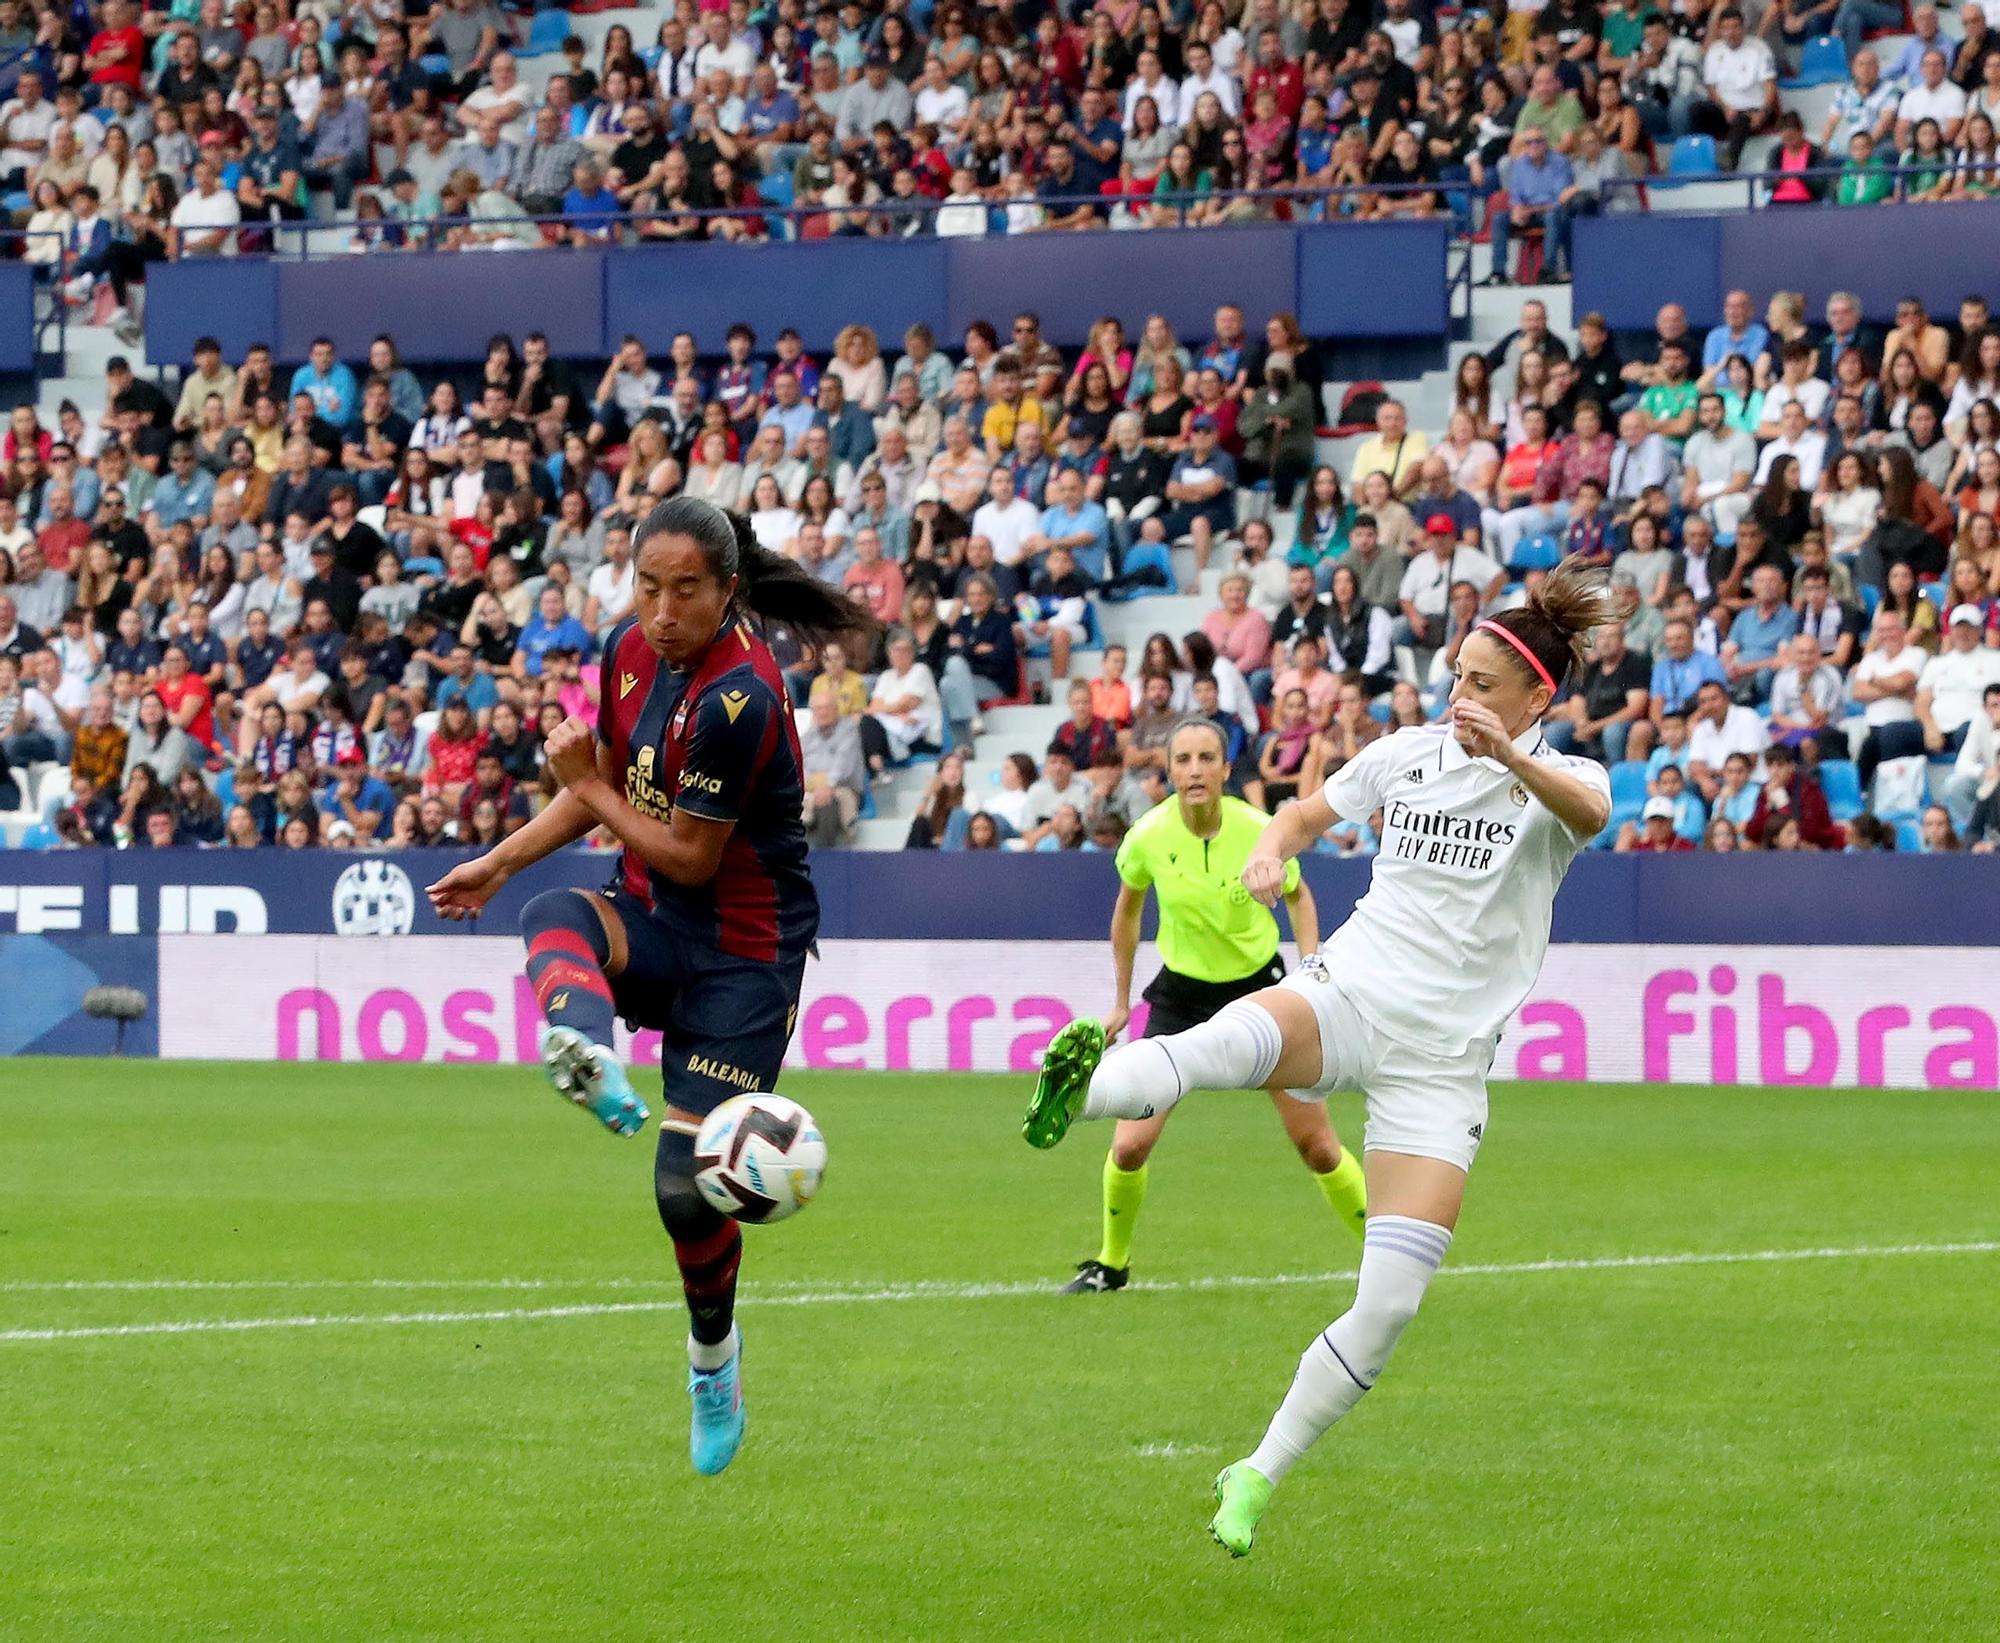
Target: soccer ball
x,y
759,1158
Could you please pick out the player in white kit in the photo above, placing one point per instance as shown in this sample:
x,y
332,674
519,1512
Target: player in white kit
x,y
1406,1000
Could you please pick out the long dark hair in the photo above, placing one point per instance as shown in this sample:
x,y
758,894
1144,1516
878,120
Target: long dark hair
x,y
768,585
1556,622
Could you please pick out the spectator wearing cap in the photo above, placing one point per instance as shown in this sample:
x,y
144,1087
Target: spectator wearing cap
x,y
1425,590
1949,696
1201,489
1655,833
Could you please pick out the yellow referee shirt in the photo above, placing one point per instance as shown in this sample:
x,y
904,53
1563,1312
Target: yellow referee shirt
x,y
1210,928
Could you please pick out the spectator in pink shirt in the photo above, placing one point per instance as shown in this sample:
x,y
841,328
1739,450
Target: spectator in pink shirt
x,y
1306,674
1237,631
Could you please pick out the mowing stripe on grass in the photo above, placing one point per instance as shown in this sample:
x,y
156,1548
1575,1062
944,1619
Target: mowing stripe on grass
x,y
934,1291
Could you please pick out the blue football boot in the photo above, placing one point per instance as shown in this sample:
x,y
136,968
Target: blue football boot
x,y
716,1431
592,1076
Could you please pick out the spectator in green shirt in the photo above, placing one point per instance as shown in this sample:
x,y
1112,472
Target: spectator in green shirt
x,y
1863,179
1671,401
1549,109
1624,30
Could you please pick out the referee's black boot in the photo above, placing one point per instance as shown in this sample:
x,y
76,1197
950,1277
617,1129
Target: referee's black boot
x,y
1095,1278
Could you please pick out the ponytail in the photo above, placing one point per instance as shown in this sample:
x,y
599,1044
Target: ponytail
x,y
768,585
1556,622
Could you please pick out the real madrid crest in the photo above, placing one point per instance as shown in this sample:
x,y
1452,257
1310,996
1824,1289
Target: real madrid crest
x,y
1518,794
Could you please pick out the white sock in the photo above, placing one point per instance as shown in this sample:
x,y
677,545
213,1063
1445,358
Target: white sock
x,y
706,1356
1398,1257
1236,1049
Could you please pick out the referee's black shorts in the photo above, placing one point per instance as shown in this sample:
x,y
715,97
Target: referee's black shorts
x,y
1180,1002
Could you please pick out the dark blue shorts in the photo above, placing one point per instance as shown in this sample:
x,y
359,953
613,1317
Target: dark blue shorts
x,y
724,1022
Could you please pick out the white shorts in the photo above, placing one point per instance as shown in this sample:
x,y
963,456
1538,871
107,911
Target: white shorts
x,y
1419,1101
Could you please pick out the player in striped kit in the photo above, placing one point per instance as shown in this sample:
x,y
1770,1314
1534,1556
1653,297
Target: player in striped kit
x,y
703,931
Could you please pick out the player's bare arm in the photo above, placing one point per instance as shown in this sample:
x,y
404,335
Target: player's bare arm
x,y
1289,833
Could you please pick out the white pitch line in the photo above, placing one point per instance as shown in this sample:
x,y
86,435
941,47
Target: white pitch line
x,y
930,1291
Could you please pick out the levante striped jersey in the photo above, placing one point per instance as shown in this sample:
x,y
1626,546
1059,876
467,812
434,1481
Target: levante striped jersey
x,y
717,739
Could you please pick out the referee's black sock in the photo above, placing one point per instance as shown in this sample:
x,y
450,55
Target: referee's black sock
x,y
567,952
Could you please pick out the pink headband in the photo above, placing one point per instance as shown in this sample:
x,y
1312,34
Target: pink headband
x,y
1513,639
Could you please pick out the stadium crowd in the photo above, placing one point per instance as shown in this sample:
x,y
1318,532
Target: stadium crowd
x,y
331,605
132,134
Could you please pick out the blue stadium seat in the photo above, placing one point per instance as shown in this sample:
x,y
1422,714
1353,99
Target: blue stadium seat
x,y
1692,156
776,189
1910,836
1628,784
423,565
867,810
1540,552
547,33
1822,62
1379,712
38,836
1842,784
1157,555
1871,596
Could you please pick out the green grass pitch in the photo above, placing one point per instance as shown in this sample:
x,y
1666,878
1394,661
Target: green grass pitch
x,y
938,1448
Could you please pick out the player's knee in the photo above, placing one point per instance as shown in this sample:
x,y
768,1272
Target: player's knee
x,y
685,1214
565,910
1386,1316
1131,1152
1320,1152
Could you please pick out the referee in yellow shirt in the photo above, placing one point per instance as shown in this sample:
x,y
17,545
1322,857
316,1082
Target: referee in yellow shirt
x,y
1216,945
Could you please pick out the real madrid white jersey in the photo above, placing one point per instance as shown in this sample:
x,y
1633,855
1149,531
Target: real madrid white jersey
x,y
1451,934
